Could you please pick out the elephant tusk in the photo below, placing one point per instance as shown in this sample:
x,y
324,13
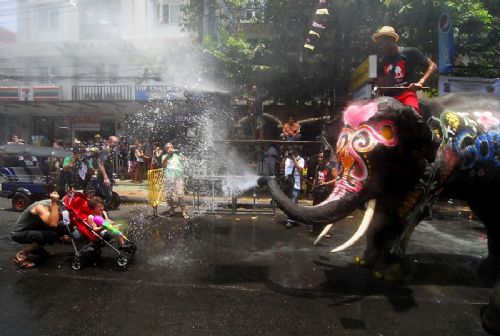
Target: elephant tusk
x,y
323,233
370,210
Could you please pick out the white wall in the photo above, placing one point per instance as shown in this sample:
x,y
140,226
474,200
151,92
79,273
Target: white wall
x,y
133,42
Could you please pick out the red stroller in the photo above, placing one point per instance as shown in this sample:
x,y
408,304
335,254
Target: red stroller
x,y
83,235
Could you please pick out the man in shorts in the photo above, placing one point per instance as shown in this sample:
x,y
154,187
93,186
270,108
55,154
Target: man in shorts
x,y
38,226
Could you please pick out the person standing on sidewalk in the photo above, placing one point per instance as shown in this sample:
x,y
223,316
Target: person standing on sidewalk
x,y
157,156
139,167
173,176
105,171
148,156
294,164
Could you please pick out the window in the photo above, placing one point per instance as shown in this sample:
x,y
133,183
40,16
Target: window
x,y
158,8
47,74
48,19
175,14
167,13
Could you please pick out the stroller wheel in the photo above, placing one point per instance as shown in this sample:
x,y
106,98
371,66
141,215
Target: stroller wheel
x,y
122,261
76,264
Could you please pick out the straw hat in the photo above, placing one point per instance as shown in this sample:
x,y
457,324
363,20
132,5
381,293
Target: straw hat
x,y
385,31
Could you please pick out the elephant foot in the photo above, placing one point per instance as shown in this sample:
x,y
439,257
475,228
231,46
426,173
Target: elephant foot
x,y
368,260
361,262
392,271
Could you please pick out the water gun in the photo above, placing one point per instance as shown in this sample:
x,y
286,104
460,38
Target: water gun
x,y
107,224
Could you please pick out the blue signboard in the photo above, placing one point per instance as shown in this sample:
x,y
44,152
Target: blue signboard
x,y
446,43
157,92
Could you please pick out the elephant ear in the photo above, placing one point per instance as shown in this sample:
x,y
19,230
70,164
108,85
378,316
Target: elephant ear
x,y
419,134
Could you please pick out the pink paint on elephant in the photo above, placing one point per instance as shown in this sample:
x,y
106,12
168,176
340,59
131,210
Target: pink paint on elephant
x,y
486,119
355,115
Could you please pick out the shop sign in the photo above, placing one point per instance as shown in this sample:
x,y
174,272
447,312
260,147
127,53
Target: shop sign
x,y
29,93
157,92
9,93
83,122
448,84
25,93
46,93
365,72
446,43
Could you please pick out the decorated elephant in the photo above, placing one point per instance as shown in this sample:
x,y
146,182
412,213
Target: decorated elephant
x,y
399,162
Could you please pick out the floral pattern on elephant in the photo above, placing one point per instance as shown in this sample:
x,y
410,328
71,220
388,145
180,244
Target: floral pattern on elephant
x,y
352,147
469,140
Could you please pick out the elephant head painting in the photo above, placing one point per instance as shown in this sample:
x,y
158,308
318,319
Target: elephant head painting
x,y
398,163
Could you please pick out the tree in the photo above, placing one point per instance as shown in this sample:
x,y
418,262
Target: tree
x,y
294,73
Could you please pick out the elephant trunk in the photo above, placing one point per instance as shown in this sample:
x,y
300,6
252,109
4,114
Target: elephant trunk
x,y
342,201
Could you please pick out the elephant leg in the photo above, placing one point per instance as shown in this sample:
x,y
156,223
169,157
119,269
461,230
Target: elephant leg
x,y
485,209
380,236
375,239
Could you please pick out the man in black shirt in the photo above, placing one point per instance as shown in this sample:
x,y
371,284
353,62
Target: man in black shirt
x,y
106,156
105,169
397,67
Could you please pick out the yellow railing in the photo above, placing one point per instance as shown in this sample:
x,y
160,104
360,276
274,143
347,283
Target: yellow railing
x,y
155,188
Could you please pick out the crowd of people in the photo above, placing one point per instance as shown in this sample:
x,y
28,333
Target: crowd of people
x,y
94,167
96,164
303,174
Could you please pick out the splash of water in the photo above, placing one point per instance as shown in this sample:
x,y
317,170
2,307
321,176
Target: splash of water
x,y
198,124
236,185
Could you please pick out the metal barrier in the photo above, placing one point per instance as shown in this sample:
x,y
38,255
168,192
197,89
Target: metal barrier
x,y
208,199
156,194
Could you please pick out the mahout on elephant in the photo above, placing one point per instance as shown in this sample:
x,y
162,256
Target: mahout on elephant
x,y
400,162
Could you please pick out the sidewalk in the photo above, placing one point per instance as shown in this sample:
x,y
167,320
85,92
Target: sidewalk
x,y
138,193
132,192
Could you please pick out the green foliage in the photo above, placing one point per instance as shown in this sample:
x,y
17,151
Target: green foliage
x,y
475,24
236,55
193,16
345,43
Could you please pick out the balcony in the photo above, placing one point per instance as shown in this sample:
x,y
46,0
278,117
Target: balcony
x,y
95,31
102,92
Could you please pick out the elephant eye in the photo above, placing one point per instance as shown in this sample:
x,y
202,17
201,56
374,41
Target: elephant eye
x,y
387,132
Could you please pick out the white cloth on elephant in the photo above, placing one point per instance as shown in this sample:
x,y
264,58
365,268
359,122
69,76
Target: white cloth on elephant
x,y
289,165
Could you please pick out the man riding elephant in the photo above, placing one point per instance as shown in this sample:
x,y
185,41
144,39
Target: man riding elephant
x,y
396,68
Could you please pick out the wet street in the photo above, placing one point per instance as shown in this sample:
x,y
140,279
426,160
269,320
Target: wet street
x,y
243,275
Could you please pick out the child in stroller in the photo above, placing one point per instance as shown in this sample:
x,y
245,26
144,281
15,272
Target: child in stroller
x,y
100,222
81,230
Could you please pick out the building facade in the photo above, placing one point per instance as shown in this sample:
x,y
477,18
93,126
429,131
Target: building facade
x,y
79,67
